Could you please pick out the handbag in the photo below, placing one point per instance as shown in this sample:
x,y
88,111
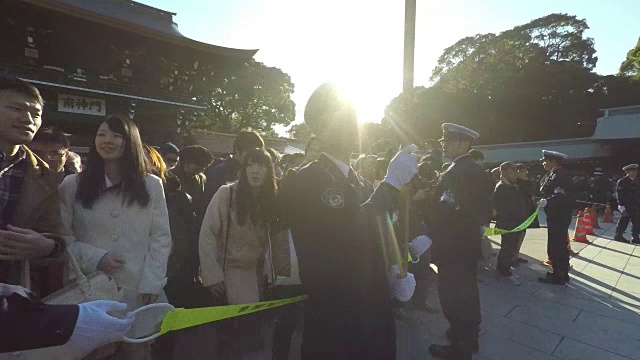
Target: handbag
x,y
96,286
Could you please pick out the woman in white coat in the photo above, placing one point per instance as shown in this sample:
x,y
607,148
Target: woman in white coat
x,y
117,214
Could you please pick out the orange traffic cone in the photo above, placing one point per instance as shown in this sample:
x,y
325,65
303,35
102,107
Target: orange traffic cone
x,y
587,223
580,234
608,215
594,217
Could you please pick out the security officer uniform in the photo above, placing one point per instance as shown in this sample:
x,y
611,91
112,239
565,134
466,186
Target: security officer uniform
x,y
342,261
463,204
628,195
557,189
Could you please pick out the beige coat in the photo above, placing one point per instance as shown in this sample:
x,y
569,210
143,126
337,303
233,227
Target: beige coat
x,y
37,210
140,235
212,247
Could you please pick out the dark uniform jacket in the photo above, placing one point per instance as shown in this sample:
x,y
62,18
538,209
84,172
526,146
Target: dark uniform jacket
x,y
510,206
464,203
27,324
335,223
628,193
558,188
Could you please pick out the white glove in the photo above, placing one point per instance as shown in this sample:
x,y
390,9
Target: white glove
x,y
542,203
404,288
419,246
402,168
95,327
621,208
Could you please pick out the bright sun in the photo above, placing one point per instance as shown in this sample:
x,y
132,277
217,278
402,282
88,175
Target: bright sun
x,y
370,98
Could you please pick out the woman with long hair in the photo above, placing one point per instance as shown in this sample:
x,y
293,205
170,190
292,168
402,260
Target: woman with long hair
x,y
235,237
116,211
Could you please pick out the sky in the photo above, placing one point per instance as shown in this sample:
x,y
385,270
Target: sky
x,y
359,43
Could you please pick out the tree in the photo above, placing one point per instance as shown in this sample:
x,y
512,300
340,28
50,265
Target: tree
x,y
252,96
631,65
532,82
300,132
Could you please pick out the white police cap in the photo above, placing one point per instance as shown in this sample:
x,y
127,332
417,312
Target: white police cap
x,y
554,154
631,167
454,130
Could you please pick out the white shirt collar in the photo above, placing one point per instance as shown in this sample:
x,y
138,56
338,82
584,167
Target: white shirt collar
x,y
107,181
344,167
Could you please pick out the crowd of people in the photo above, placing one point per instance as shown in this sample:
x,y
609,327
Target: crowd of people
x,y
179,226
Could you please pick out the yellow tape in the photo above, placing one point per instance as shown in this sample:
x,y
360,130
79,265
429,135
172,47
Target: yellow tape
x,y
185,318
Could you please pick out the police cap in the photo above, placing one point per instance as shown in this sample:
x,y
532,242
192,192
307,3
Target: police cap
x,y
459,132
631,167
546,154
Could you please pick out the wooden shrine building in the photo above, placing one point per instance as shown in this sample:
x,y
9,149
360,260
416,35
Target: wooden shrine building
x,y
91,59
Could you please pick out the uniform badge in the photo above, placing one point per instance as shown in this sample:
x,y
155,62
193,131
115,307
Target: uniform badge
x,y
333,198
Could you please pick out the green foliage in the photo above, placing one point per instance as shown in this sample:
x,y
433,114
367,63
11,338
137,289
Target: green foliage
x,y
250,96
300,132
631,65
532,82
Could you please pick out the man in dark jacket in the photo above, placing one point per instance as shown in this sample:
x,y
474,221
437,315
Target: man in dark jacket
x,y
193,161
510,212
335,226
628,195
557,190
464,206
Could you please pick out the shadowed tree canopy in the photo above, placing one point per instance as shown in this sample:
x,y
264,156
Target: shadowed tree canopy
x,y
252,96
532,82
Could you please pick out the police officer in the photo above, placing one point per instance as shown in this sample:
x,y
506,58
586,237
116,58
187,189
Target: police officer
x,y
464,204
334,221
628,195
557,190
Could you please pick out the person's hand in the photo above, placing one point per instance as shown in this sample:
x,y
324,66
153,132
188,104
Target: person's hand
x,y
542,203
21,244
402,168
419,246
147,299
621,208
95,327
217,289
403,288
110,263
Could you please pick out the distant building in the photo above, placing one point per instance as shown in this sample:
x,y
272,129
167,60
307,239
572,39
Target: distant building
x,y
93,58
615,143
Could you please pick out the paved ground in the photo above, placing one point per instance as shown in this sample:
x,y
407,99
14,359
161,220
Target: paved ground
x,y
596,317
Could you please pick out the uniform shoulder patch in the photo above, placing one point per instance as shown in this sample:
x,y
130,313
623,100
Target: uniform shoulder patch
x,y
333,197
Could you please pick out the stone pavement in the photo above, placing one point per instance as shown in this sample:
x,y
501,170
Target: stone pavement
x,y
596,316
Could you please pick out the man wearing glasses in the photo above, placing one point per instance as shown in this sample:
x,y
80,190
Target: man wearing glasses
x,y
52,146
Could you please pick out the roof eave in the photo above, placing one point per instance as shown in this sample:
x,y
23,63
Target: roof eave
x,y
241,54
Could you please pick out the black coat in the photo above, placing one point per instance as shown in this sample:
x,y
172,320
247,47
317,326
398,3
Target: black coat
x,y
628,193
559,190
464,203
510,206
343,261
26,324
